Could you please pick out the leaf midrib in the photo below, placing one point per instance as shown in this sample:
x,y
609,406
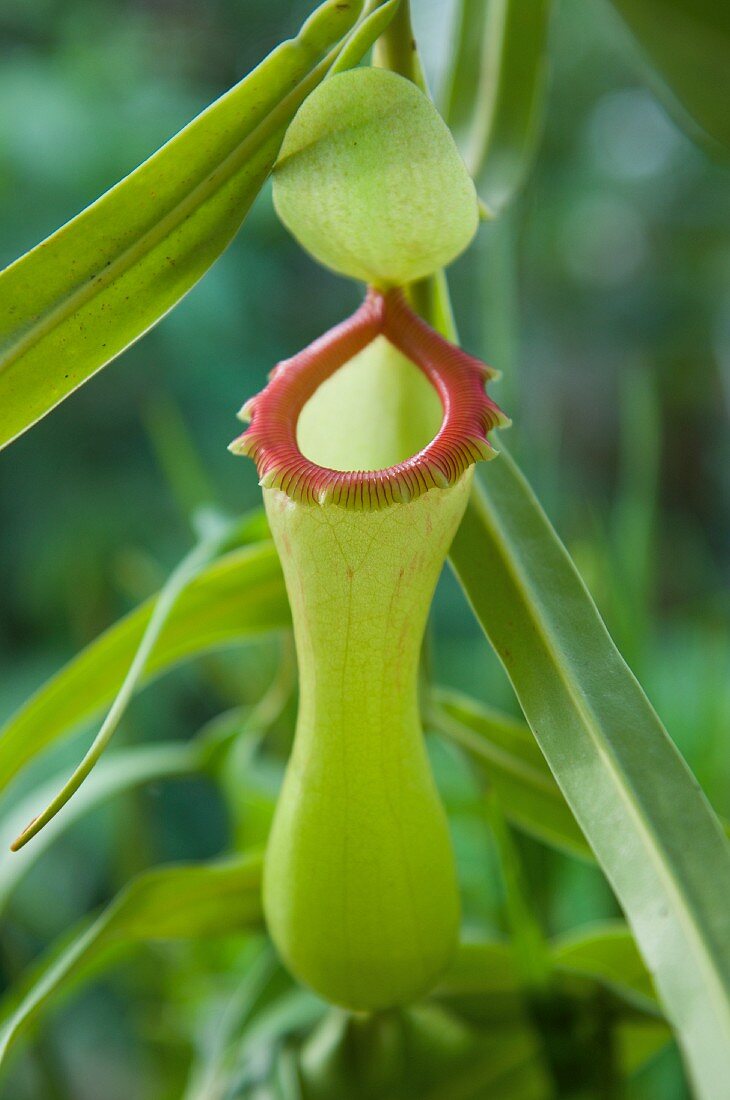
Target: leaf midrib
x,y
97,282
686,913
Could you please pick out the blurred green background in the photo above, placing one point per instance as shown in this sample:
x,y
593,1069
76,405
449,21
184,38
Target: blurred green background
x,y
603,296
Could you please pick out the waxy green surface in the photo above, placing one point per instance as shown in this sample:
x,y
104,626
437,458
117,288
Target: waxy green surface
x,y
359,883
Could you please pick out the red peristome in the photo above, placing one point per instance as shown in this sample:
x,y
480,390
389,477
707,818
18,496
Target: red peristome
x,y
459,379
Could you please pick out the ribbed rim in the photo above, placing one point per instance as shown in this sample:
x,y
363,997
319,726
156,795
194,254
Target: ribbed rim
x,y
459,379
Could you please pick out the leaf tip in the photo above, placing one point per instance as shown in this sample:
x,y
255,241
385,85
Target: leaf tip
x,y
23,838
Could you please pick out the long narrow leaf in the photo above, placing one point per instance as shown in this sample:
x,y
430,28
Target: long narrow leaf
x,y
687,42
169,903
497,91
480,966
82,296
135,766
462,78
650,827
239,596
217,536
607,952
376,16
119,772
211,1069
508,1064
516,769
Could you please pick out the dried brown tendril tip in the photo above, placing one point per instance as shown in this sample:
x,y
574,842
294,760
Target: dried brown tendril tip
x,y
459,379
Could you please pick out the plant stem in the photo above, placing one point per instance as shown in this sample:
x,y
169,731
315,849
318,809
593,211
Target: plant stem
x,y
531,951
396,48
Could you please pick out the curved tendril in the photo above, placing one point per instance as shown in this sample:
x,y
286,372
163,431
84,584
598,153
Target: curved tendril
x,y
215,535
468,413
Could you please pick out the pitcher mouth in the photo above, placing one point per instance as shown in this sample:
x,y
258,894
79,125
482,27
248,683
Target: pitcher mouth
x,y
458,378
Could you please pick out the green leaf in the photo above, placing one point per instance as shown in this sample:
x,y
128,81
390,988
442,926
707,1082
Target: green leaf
x,y
424,1052
637,1042
607,953
77,300
169,903
376,17
296,1012
485,983
528,795
530,798
461,83
241,595
507,1062
216,535
216,1047
481,966
687,42
638,805
117,773
483,986
496,92
604,952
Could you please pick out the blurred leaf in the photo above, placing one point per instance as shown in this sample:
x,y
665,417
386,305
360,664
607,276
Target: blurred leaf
x,y
530,798
528,943
483,988
503,1060
516,769
635,511
605,953
210,1069
423,1052
512,1070
461,84
483,985
688,44
631,792
169,903
119,772
497,90
177,456
77,300
216,535
279,1018
239,596
295,1011
637,1041
286,1076
608,953
483,966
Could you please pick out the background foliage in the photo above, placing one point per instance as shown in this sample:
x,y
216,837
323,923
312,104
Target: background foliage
x,y
604,296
